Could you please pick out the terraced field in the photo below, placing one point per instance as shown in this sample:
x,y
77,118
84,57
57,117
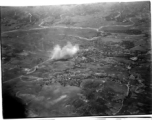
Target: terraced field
x,y
109,75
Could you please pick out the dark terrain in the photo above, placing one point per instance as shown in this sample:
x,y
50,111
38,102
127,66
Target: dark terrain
x,y
110,74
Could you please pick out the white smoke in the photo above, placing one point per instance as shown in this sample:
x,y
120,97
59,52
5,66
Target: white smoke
x,y
67,51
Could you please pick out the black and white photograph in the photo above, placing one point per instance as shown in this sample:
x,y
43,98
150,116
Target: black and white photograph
x,y
76,60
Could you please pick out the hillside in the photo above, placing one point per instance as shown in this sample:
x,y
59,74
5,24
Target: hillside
x,y
101,64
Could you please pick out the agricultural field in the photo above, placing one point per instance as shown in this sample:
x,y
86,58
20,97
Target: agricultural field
x,y
76,60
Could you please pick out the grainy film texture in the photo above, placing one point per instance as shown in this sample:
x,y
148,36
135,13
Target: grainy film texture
x,y
76,60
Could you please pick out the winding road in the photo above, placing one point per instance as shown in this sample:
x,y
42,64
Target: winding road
x,y
33,69
56,26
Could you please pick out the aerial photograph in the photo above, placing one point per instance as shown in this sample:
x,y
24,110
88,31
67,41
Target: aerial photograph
x,y
76,60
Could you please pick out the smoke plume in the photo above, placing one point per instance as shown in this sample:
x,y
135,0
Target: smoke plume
x,y
67,51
